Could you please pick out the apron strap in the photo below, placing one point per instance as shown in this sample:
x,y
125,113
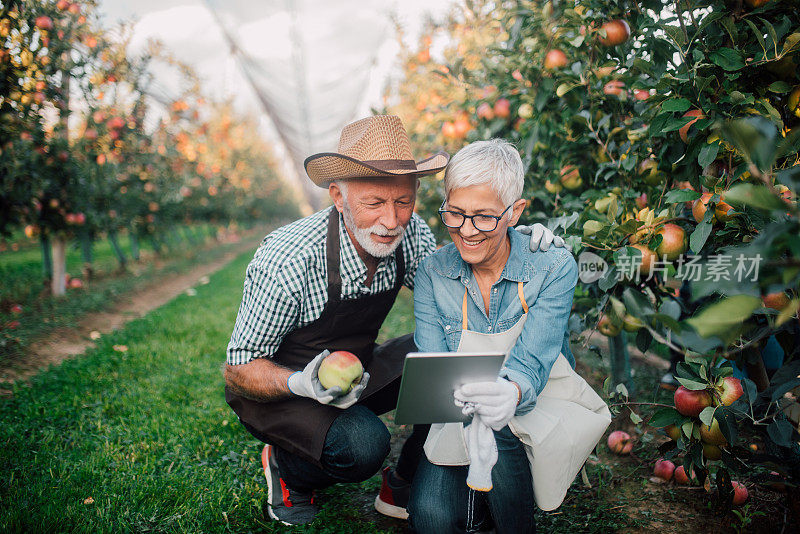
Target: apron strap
x,y
464,305
332,257
522,297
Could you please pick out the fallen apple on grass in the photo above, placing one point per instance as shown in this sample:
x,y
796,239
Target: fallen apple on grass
x,y
681,477
740,493
340,369
664,469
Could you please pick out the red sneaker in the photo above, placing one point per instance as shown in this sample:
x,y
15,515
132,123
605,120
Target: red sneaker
x,y
283,504
393,498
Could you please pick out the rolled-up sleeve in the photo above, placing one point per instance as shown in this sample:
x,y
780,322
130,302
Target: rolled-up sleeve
x,y
530,361
267,313
429,334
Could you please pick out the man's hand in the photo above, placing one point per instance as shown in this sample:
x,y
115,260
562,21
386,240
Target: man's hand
x,y
495,402
306,383
541,237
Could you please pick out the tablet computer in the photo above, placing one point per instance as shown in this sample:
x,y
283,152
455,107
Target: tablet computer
x,y
430,378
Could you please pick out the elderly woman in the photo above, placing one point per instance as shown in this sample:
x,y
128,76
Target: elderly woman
x,y
487,291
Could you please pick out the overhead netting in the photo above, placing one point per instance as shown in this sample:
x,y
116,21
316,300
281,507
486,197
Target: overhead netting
x,y
309,63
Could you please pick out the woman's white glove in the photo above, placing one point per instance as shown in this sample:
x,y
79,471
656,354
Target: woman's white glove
x,y
495,402
482,450
306,383
541,237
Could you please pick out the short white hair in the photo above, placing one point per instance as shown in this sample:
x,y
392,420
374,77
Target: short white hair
x,y
495,162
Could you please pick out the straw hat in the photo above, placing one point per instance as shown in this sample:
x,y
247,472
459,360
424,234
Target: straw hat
x,y
372,147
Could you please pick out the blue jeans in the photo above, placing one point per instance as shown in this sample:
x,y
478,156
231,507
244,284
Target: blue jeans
x,y
442,503
356,445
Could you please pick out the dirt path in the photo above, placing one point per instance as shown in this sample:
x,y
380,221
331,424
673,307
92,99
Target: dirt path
x,y
68,342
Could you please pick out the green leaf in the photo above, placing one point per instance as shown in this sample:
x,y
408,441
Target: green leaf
x,y
756,137
691,384
727,58
565,88
781,433
676,104
701,233
707,415
635,419
675,196
758,33
708,153
755,196
779,87
791,43
664,417
591,227
723,318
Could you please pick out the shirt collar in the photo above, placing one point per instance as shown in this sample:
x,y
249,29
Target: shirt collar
x,y
352,266
518,267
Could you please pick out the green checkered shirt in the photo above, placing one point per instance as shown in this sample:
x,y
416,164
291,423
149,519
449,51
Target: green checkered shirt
x,y
286,285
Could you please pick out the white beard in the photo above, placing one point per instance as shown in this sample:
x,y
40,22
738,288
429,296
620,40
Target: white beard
x,y
362,235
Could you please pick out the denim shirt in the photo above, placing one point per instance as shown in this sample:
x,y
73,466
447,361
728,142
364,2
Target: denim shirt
x,y
548,279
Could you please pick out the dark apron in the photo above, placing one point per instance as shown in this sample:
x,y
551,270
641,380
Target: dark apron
x,y
299,425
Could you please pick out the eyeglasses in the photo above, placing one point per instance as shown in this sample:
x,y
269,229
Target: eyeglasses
x,y
481,222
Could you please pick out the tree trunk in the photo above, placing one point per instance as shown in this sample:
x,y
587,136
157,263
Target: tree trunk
x,y
112,238
47,258
58,283
86,253
134,237
621,363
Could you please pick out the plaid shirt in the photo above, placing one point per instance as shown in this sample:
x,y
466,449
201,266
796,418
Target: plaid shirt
x,y
286,285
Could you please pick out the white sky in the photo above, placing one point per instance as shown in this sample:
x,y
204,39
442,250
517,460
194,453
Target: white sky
x,y
339,41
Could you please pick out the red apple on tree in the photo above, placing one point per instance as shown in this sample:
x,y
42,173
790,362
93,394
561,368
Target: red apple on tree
x,y
502,108
649,259
684,131
713,434
617,32
673,242
615,88
44,22
777,301
485,111
729,391
608,327
555,59
691,403
340,368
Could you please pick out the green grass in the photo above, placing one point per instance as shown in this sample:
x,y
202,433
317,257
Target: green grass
x,y
21,283
146,434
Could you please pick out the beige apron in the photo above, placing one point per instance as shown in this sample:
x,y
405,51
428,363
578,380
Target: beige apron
x,y
559,433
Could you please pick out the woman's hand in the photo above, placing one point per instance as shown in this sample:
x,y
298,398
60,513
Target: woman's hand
x,y
496,402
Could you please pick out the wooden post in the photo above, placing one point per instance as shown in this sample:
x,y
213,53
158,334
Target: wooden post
x,y
621,363
58,283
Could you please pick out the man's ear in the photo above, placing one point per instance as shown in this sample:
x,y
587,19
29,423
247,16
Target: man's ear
x,y
516,211
337,195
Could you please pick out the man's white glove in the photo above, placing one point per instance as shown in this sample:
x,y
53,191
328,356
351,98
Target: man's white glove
x,y
306,383
541,237
495,402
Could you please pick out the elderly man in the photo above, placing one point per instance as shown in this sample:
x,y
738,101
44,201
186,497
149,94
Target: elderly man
x,y
326,283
